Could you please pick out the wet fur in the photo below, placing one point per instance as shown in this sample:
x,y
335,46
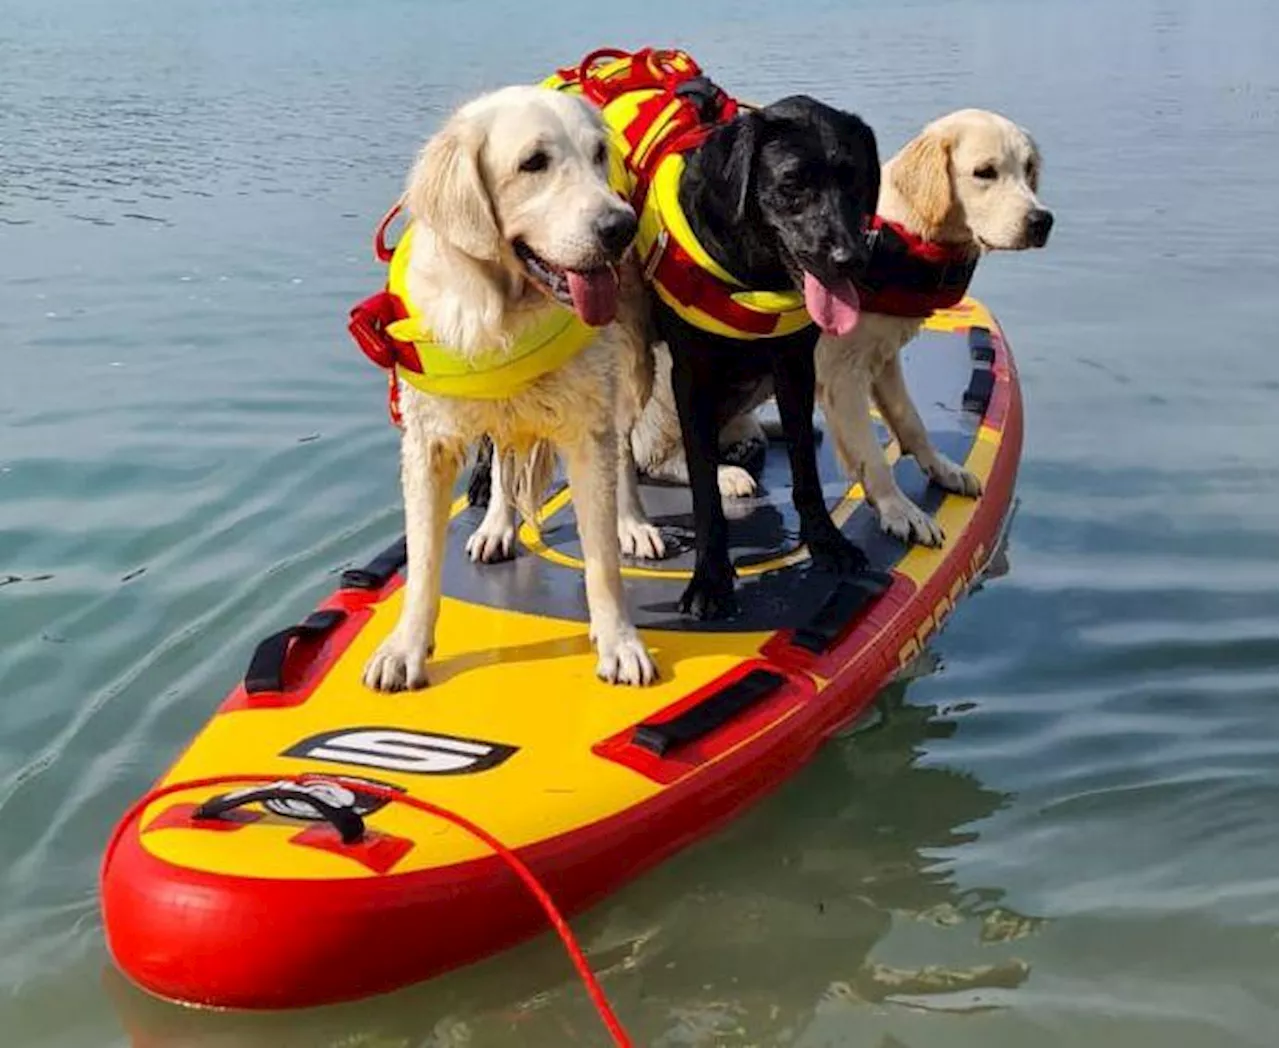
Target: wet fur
x,y
739,193
505,488
468,203
930,188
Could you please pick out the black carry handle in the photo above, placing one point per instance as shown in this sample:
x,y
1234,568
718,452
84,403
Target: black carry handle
x,y
977,397
266,668
348,823
831,621
981,349
378,571
708,715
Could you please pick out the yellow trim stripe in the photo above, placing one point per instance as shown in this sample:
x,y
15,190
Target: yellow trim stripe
x,y
531,539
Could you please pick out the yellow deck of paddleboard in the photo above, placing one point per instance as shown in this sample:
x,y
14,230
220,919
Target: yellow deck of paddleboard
x,y
505,674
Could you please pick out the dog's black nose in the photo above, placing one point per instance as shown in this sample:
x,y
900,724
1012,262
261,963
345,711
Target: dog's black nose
x,y
841,256
847,258
616,229
1039,223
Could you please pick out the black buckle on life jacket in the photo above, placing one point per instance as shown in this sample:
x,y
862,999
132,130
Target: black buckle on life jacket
x,y
706,97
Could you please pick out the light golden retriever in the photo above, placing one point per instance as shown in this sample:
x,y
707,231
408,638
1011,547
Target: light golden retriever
x,y
514,216
969,179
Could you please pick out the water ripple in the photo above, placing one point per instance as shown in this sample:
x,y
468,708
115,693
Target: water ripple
x,y
1078,787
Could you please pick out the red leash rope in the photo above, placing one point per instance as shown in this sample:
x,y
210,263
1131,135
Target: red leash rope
x,y
513,861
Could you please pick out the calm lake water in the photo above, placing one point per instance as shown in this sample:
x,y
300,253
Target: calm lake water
x,y
1083,781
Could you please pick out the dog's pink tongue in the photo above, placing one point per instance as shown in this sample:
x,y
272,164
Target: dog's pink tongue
x,y
595,296
834,307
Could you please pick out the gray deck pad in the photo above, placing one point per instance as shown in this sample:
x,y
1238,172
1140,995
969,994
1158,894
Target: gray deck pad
x,y
937,367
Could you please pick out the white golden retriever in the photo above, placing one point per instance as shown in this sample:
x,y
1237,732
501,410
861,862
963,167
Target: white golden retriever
x,y
969,179
514,216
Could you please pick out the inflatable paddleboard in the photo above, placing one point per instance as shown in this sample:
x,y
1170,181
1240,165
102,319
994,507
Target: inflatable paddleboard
x,y
292,868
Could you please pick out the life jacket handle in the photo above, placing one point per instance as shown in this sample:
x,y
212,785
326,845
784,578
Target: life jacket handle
x,y
649,68
381,248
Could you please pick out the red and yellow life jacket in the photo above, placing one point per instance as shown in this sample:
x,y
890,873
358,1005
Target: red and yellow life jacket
x,y
392,332
908,276
658,105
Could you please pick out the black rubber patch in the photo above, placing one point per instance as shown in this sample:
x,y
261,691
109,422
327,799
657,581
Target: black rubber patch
x,y
377,573
711,713
761,528
978,395
832,621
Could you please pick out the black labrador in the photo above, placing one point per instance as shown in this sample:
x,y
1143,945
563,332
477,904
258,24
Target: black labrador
x,y
780,197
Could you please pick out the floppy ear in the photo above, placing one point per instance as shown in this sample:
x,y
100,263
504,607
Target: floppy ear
x,y
922,175
740,163
1037,156
446,191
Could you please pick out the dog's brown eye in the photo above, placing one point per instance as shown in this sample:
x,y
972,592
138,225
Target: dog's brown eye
x,y
987,172
602,154
534,162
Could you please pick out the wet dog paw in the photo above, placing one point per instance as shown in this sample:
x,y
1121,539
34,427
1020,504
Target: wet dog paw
x,y
709,594
639,538
397,666
624,659
951,477
735,482
904,520
491,543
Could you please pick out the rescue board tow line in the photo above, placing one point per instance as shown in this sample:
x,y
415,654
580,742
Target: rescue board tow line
x,y
513,861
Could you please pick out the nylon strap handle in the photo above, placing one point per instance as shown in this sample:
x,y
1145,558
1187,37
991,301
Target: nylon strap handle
x,y
266,667
348,823
650,68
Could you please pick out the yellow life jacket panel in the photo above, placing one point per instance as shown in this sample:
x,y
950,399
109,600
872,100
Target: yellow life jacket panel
x,y
551,341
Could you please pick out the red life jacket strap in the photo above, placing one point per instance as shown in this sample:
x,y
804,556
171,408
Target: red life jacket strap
x,y
696,121
674,75
647,69
368,326
691,285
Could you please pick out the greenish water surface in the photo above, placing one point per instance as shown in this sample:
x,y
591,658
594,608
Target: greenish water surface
x,y
1082,780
